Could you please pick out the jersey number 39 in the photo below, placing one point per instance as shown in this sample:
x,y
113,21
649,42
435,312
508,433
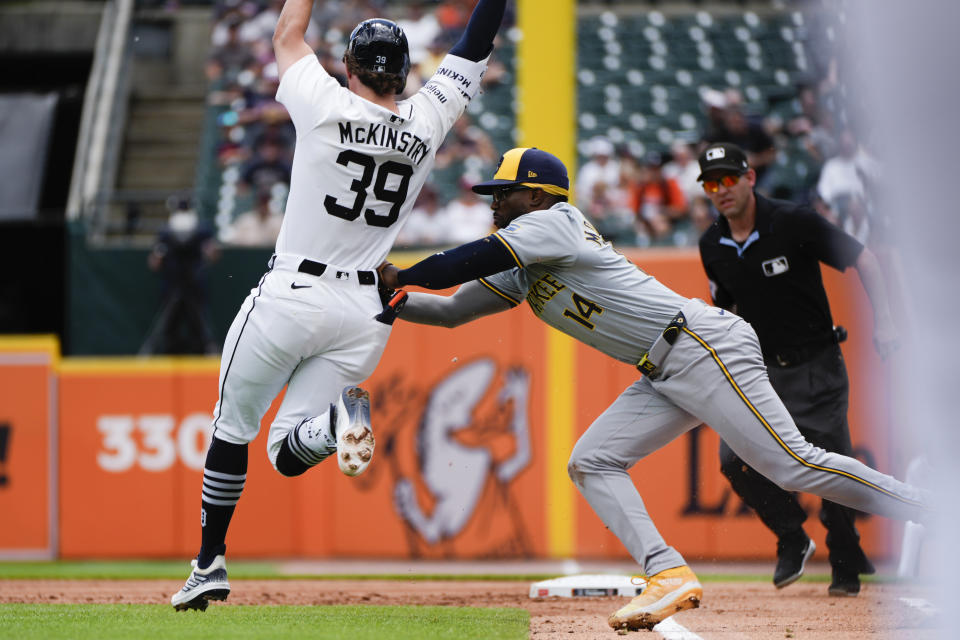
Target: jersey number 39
x,y
393,196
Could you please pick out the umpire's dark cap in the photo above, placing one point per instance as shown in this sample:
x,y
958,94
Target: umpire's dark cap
x,y
530,167
723,156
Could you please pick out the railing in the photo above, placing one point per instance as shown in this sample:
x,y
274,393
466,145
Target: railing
x,y
104,114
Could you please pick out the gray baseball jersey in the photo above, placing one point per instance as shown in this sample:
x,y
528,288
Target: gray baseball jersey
x,y
576,281
711,373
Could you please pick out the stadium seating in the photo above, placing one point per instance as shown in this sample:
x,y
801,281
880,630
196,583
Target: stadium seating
x,y
640,81
640,77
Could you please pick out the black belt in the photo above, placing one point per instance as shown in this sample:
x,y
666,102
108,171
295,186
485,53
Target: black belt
x,y
651,361
791,356
318,269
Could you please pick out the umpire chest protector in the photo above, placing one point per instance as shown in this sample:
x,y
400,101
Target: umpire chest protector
x,y
774,276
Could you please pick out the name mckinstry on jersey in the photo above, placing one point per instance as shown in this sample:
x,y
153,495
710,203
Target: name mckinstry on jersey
x,y
358,167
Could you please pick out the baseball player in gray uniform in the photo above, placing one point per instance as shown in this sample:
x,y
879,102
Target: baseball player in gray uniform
x,y
701,364
315,322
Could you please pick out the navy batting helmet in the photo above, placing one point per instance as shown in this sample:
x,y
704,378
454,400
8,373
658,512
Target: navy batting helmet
x,y
380,46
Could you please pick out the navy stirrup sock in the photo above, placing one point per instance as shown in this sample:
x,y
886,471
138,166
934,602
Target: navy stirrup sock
x,y
224,475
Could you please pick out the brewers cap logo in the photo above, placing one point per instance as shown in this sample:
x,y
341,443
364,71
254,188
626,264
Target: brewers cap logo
x,y
716,154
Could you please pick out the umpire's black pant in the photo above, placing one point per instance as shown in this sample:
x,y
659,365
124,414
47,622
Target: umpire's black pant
x,y
816,395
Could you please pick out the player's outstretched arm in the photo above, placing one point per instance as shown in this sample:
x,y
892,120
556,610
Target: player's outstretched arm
x,y
471,301
289,37
483,257
476,43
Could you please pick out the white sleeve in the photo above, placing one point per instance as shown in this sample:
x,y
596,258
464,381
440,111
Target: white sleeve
x,y
309,93
544,236
450,89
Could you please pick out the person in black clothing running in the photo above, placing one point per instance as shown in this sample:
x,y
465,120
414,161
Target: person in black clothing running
x,y
762,257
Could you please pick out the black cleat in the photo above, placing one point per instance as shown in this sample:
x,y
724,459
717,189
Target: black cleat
x,y
792,556
845,584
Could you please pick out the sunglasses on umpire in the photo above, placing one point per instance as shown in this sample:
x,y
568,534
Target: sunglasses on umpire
x,y
503,192
729,180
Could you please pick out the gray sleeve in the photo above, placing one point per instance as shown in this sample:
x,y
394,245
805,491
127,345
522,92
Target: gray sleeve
x,y
546,236
471,301
507,285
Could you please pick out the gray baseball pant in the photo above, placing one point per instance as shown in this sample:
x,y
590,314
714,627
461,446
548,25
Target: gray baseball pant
x,y
714,374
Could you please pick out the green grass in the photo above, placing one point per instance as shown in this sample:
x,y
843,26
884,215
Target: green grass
x,y
120,569
239,570
160,622
179,570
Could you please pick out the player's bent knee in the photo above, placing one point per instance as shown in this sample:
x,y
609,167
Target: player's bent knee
x,y
583,461
575,466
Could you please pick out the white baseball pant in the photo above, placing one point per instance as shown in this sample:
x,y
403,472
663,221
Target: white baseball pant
x,y
315,334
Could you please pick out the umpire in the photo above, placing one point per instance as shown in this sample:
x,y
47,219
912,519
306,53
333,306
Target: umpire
x,y
763,257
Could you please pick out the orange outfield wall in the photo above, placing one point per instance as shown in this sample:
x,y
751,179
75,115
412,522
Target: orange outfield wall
x,y
462,468
28,524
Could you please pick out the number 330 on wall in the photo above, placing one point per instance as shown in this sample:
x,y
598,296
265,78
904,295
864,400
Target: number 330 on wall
x,y
153,442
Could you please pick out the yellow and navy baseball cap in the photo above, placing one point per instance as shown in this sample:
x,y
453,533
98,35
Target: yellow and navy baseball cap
x,y
530,167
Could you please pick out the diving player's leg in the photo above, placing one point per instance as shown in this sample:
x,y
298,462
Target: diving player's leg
x,y
638,423
817,395
779,510
847,558
726,385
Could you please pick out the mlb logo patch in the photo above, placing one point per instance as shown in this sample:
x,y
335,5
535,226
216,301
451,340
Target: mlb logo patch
x,y
776,266
716,154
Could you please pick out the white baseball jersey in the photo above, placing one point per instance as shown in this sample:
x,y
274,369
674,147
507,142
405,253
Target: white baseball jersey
x,y
575,281
358,167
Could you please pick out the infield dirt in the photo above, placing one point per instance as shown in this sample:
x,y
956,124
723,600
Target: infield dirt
x,y
742,610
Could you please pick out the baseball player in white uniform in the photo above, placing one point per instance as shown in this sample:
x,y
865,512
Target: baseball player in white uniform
x,y
701,364
315,323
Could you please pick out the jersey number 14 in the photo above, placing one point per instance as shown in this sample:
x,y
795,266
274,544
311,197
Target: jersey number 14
x,y
394,197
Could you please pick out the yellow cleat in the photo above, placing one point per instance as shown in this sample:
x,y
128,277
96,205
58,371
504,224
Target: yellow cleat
x,y
666,593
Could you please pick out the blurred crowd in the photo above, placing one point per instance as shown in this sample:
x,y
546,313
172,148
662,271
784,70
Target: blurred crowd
x,y
801,152
803,148
256,137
